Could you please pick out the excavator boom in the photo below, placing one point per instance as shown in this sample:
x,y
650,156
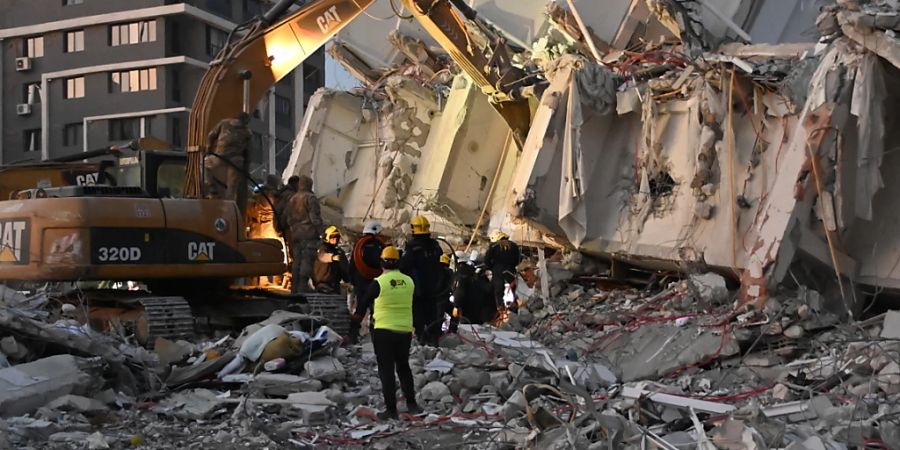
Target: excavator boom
x,y
262,57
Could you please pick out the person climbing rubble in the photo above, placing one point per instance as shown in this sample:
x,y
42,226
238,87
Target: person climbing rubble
x,y
391,296
330,267
421,261
228,144
501,259
304,220
364,268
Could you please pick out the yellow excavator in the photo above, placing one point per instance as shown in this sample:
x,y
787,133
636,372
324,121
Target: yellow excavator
x,y
149,227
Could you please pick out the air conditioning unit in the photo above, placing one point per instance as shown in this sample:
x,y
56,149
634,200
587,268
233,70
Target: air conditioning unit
x,y
23,109
23,64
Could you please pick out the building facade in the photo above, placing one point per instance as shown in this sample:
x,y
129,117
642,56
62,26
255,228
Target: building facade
x,y
79,75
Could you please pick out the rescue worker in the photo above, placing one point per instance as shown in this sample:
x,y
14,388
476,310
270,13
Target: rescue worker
x,y
442,297
501,259
228,144
392,298
304,222
473,295
330,267
364,268
421,261
282,198
261,217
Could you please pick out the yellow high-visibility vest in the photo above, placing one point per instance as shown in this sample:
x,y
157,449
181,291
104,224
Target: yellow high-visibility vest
x,y
393,307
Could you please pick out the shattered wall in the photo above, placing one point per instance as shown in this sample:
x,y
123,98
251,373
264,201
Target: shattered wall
x,y
412,152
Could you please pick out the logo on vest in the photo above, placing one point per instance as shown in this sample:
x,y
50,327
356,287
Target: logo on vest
x,y
398,283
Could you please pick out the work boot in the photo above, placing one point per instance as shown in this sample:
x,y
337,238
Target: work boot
x,y
387,414
414,409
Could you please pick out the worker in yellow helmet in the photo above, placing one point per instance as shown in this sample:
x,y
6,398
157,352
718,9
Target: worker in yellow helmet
x,y
392,299
330,267
422,262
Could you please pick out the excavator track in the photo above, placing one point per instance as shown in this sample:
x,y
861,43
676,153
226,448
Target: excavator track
x,y
167,317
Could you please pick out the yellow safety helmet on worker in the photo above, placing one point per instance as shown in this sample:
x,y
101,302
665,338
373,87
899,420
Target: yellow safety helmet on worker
x,y
420,225
390,253
498,236
445,259
332,232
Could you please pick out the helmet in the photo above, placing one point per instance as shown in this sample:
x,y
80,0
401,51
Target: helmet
x,y
331,232
498,236
372,227
420,225
445,259
390,253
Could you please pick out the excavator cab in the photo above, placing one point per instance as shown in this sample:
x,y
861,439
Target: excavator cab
x,y
160,173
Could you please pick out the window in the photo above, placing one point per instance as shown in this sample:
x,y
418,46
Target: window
x,y
174,36
282,111
133,80
132,33
72,133
33,140
215,40
176,132
124,129
175,81
31,93
74,41
33,47
74,87
72,2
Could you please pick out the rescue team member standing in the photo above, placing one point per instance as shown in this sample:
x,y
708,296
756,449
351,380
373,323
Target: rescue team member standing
x,y
330,267
393,314
304,220
365,266
421,261
229,142
502,258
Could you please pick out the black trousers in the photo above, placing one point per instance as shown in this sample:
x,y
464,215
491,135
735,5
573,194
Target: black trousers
x,y
392,355
424,314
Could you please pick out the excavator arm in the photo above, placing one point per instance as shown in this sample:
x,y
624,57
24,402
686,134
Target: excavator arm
x,y
248,67
261,57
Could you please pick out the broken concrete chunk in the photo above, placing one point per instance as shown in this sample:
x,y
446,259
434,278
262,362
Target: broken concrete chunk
x,y
77,403
314,406
891,327
474,379
13,348
325,369
434,391
514,406
197,404
26,387
68,437
710,287
889,378
282,384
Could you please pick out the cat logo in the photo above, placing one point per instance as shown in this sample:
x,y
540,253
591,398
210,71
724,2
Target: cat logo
x,y
88,179
328,19
14,241
201,251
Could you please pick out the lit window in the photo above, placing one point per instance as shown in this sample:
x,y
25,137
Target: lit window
x,y
132,33
74,87
133,80
33,47
75,41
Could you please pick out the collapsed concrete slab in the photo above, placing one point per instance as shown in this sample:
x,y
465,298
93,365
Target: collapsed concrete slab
x,y
26,387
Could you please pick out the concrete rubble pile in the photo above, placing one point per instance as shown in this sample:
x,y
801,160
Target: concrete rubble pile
x,y
683,364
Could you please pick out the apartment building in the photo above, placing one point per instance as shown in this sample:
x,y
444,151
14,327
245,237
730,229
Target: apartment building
x,y
78,75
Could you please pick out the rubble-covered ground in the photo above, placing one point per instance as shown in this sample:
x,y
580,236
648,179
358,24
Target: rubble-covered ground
x,y
681,366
